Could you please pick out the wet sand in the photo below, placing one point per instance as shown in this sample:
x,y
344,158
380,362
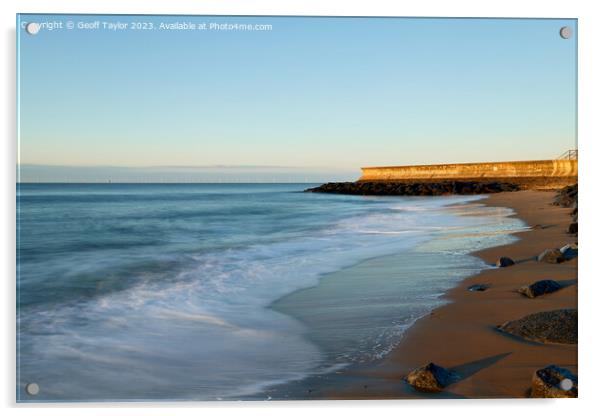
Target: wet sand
x,y
461,335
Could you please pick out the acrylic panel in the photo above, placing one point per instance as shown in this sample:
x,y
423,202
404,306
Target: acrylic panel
x,y
286,207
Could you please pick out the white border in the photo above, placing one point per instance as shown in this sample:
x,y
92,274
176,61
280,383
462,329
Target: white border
x,y
590,34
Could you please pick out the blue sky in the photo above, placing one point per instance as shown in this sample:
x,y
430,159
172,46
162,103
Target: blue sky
x,y
324,95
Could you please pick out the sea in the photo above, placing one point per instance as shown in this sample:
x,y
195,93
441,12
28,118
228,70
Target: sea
x,y
139,292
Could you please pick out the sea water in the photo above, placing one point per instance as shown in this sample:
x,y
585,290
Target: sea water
x,y
222,291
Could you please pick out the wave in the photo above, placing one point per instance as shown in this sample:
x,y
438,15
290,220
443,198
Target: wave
x,y
204,329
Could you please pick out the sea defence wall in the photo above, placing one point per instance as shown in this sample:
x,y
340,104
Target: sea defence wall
x,y
529,174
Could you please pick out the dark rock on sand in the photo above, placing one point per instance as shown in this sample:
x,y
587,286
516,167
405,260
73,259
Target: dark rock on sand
x,y
415,188
575,214
478,288
540,288
567,197
558,327
504,262
551,255
569,251
553,382
572,228
430,378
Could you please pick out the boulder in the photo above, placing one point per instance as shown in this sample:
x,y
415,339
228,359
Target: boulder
x,y
553,382
572,228
430,378
575,214
567,196
551,255
504,262
540,288
557,327
478,287
569,251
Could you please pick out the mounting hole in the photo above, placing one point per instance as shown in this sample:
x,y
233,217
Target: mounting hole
x,y
566,32
32,389
566,384
32,28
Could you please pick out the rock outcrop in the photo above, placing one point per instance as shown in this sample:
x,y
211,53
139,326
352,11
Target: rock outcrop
x,y
430,378
553,382
540,288
557,327
415,188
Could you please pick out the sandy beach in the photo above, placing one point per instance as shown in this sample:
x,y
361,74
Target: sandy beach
x,y
462,334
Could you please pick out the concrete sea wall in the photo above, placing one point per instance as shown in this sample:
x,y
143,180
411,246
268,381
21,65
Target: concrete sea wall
x,y
532,173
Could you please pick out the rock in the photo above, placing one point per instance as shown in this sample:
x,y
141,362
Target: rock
x,y
553,382
558,327
540,288
504,262
575,214
567,196
569,251
551,255
478,288
415,188
572,228
430,378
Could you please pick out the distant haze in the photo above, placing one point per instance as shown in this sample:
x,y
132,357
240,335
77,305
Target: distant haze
x,y
311,100
158,174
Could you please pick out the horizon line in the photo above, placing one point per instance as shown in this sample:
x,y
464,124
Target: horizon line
x,y
163,183
216,166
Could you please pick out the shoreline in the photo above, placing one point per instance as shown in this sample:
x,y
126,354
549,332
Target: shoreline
x,y
318,307
496,365
461,334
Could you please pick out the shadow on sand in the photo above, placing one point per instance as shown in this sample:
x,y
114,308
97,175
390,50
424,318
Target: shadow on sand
x,y
463,371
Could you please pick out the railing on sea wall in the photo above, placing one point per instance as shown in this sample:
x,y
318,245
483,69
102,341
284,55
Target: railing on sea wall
x,y
570,154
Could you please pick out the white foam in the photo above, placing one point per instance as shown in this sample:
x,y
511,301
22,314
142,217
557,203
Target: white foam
x,y
206,332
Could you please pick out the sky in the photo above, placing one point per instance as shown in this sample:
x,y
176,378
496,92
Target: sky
x,y
311,99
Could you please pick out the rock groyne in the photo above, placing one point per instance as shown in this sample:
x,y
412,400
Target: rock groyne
x,y
415,189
